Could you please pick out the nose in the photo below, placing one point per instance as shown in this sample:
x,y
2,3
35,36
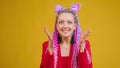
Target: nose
x,y
65,25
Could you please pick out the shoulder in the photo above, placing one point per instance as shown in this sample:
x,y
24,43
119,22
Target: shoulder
x,y
45,45
87,43
88,47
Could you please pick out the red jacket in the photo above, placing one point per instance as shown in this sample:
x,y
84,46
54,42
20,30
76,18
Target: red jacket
x,y
48,60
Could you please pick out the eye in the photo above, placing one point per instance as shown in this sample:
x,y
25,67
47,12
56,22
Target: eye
x,y
60,22
69,22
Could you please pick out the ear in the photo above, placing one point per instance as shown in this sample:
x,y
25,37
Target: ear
x,y
75,7
58,8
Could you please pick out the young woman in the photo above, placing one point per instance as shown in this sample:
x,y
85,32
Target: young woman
x,y
67,47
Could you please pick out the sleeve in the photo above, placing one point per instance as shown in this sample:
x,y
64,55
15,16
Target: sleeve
x,y
45,55
85,58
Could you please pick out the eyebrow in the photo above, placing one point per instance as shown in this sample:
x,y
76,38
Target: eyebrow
x,y
67,20
61,20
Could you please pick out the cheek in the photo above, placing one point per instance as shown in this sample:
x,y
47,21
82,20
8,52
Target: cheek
x,y
74,27
58,27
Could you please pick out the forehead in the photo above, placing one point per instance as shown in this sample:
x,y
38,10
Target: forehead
x,y
66,16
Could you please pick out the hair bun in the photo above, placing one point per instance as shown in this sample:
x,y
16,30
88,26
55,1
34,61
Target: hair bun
x,y
75,7
58,8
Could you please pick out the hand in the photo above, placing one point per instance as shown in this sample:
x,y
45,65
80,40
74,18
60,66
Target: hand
x,y
83,36
50,41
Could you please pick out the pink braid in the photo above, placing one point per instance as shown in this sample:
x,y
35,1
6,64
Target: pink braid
x,y
55,42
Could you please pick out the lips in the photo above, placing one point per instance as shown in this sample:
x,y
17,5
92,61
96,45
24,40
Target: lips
x,y
65,31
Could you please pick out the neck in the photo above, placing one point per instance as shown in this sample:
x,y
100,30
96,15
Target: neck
x,y
66,40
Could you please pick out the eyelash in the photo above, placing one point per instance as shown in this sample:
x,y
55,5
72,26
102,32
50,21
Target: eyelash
x,y
61,22
69,22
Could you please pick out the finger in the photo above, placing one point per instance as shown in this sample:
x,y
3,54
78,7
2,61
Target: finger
x,y
81,41
48,34
87,33
84,35
51,36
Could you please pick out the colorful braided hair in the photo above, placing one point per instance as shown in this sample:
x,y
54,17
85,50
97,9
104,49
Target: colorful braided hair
x,y
77,32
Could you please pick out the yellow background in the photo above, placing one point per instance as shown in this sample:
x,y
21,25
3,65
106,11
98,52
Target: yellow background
x,y
22,25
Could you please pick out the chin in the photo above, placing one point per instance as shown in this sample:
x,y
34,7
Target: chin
x,y
66,36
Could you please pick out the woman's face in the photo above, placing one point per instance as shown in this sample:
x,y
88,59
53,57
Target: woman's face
x,y
65,24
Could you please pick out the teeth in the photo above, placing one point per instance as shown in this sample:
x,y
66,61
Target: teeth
x,y
65,31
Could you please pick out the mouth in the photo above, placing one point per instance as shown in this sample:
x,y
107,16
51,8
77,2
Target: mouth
x,y
66,31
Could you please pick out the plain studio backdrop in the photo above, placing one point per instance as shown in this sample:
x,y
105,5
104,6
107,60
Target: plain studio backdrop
x,y
22,25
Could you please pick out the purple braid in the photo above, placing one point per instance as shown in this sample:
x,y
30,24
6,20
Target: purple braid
x,y
77,34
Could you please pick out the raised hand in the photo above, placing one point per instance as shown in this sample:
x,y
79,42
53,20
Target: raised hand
x,y
83,36
50,41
